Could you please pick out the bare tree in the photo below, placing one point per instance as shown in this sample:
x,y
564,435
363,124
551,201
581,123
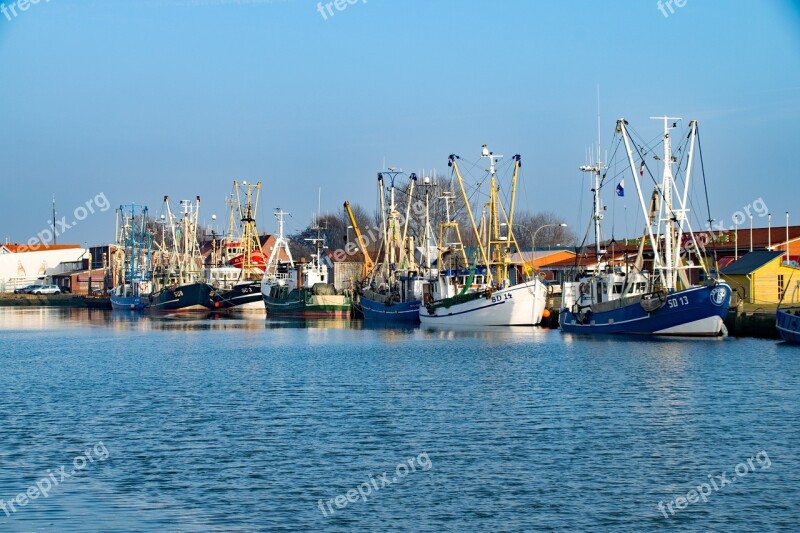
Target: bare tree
x,y
336,230
548,226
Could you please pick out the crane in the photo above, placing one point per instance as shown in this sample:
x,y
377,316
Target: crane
x,y
368,264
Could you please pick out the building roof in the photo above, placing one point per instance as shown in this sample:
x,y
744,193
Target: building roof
x,y
355,257
38,247
750,262
762,237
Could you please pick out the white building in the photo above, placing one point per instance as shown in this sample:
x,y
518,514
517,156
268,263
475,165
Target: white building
x,y
22,265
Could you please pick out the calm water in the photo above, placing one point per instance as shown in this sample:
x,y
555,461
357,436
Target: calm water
x,y
247,425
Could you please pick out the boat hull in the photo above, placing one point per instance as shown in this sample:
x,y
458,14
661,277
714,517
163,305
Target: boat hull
x,y
193,297
788,326
244,297
520,305
406,312
129,303
694,312
305,305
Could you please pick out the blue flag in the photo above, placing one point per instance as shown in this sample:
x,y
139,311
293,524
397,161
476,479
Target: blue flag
x,y
621,188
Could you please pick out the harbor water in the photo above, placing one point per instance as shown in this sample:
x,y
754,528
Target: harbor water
x,y
247,424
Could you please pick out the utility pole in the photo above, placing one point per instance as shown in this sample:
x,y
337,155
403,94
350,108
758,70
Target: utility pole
x,y
54,220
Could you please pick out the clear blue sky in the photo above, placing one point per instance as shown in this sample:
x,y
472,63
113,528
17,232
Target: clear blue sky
x,y
141,98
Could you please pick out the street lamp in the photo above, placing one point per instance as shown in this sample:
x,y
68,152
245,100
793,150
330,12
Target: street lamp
x,y
347,238
769,231
787,236
533,240
751,233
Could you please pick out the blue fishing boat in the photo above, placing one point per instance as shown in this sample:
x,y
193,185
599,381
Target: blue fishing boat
x,y
392,288
399,304
787,321
627,298
132,257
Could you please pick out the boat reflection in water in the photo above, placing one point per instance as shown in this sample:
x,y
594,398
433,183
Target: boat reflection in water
x,y
493,333
311,323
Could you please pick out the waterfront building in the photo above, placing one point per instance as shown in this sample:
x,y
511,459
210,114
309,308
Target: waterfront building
x,y
22,264
763,277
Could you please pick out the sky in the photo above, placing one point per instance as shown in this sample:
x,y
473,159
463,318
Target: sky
x,y
131,100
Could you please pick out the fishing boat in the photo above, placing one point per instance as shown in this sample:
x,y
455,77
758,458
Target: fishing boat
x,y
237,286
178,270
301,290
132,259
495,291
391,291
661,299
787,322
238,256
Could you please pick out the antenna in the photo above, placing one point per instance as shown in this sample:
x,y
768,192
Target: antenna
x,y
598,126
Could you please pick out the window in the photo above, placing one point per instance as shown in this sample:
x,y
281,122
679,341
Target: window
x,y
780,287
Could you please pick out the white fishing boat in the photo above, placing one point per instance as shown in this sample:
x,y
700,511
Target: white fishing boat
x,y
495,291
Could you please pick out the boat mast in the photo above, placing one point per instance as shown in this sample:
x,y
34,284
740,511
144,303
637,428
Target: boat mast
x,y
132,259
249,234
382,200
622,129
427,182
280,243
393,246
407,260
481,248
146,235
597,171
670,246
445,232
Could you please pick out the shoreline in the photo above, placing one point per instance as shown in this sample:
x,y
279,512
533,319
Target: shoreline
x,y
740,322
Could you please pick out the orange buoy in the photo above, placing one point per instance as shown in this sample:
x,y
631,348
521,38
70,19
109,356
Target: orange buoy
x,y
546,313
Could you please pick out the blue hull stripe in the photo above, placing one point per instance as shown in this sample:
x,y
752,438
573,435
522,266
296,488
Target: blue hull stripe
x,y
399,312
788,326
465,312
680,308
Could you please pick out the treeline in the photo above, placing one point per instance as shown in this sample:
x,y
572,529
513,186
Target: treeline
x,y
444,199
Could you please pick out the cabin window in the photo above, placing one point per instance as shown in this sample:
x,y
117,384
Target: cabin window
x,y
618,288
780,287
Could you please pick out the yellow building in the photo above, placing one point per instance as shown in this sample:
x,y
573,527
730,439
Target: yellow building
x,y
762,278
